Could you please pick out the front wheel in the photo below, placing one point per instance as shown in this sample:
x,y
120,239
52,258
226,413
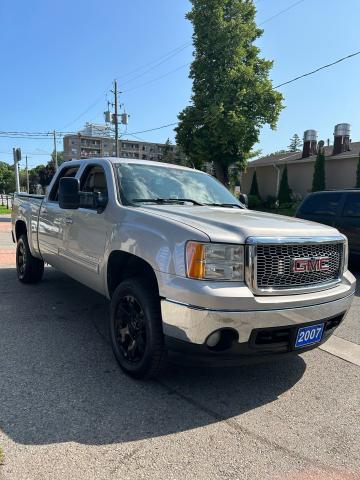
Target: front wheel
x,y
136,329
29,269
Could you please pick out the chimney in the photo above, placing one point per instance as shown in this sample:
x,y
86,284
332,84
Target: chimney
x,y
341,138
310,143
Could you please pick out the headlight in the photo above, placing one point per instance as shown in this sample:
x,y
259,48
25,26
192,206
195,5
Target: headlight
x,y
215,261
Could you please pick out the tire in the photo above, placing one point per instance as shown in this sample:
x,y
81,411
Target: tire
x,y
29,269
136,329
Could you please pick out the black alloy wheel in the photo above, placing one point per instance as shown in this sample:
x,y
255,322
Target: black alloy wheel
x,y
130,329
136,331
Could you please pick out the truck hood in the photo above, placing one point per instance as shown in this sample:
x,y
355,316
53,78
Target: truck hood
x,y
232,225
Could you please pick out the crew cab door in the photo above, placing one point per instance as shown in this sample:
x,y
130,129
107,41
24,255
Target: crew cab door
x,y
52,221
349,221
88,230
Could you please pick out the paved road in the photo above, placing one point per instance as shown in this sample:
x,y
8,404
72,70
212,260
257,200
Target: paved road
x,y
67,411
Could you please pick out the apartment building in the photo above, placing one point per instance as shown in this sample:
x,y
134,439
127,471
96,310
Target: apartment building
x,y
96,141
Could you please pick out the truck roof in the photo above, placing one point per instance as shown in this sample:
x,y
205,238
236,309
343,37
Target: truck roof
x,y
132,161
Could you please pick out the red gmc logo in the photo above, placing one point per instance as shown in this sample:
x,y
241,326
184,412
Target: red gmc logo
x,y
303,265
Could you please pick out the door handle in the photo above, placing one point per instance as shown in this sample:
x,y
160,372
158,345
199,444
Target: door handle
x,y
68,220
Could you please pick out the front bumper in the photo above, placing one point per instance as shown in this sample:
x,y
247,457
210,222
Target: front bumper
x,y
194,325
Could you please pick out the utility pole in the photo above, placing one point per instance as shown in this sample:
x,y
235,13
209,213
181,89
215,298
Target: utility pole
x,y
17,158
55,151
27,176
116,118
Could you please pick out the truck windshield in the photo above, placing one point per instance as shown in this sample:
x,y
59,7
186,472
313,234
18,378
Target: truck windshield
x,y
158,184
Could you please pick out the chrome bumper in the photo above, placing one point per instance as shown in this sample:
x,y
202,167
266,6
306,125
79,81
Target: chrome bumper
x,y
194,324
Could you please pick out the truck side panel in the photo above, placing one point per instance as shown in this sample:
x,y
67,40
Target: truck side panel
x,y
26,209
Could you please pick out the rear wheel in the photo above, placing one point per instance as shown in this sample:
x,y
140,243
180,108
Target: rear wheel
x,y
136,329
29,269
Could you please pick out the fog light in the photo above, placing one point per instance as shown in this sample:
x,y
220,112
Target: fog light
x,y
214,339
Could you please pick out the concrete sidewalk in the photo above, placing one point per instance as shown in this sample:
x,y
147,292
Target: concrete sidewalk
x,y
7,247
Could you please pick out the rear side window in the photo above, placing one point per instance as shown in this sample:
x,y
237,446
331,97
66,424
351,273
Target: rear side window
x,y
65,172
352,205
322,204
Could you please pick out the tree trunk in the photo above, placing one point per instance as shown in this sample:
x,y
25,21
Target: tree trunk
x,y
222,173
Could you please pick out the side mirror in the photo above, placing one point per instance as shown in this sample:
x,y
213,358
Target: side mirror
x,y
69,193
244,199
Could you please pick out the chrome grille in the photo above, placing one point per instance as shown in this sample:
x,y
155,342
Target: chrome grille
x,y
271,265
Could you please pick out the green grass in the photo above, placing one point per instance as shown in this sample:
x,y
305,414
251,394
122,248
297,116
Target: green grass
x,y
2,456
4,210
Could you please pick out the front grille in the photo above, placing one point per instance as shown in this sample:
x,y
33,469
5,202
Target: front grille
x,y
274,265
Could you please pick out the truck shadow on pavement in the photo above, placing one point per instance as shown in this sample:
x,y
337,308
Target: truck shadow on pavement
x,y
59,381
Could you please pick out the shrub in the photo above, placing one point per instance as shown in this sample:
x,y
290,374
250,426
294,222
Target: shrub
x,y
254,202
254,190
284,190
319,172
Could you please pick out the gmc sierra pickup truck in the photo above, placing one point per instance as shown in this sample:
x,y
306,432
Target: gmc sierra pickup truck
x,y
186,266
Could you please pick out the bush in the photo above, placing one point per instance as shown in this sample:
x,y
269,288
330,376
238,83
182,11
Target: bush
x,y
270,202
254,202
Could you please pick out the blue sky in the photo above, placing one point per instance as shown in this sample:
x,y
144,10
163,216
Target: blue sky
x,y
59,58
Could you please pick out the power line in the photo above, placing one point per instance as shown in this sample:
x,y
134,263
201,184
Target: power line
x,y
156,79
318,69
176,50
153,129
154,66
281,12
168,56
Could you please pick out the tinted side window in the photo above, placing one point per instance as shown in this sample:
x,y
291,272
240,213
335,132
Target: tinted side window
x,y
66,172
93,181
352,205
322,204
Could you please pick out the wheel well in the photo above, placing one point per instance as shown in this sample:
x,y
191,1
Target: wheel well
x,y
123,265
20,229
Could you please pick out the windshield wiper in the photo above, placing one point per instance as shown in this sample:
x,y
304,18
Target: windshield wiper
x,y
163,201
225,205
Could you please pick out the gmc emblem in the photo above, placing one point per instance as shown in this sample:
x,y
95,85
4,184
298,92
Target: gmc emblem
x,y
303,265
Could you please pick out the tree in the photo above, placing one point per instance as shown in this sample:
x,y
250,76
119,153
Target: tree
x,y
232,95
60,158
169,155
318,183
254,190
284,190
358,174
7,178
295,143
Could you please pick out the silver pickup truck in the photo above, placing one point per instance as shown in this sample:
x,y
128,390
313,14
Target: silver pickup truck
x,y
186,266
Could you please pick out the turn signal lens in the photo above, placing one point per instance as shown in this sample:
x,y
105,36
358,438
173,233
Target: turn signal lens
x,y
195,253
215,261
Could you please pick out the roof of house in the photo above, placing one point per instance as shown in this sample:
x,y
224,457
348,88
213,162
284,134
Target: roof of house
x,y
296,157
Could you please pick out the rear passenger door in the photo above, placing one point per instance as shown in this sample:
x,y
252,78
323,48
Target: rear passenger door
x,y
349,222
322,207
52,221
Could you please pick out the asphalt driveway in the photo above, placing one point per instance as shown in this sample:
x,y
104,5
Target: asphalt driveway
x,y
67,411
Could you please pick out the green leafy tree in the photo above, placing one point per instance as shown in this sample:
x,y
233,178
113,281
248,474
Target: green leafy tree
x,y
284,190
295,143
169,154
232,96
7,178
254,190
60,158
358,175
318,183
